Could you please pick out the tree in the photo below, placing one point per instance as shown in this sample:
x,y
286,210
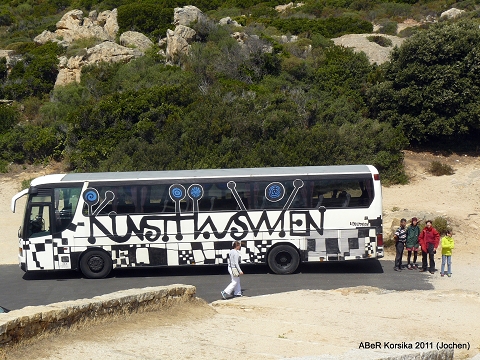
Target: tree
x,y
432,85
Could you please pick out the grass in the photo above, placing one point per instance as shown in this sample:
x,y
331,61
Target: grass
x,y
438,169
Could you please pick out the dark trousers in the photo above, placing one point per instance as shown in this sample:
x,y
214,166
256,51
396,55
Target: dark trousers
x,y
409,256
399,246
431,256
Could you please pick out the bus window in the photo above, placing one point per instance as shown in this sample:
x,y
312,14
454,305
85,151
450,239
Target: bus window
x,y
66,200
343,193
39,222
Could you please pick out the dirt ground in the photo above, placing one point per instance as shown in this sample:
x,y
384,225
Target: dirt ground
x,y
307,323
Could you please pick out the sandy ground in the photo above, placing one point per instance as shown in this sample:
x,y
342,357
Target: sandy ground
x,y
305,324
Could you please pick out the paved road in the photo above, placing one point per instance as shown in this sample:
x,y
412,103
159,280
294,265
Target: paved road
x,y
18,289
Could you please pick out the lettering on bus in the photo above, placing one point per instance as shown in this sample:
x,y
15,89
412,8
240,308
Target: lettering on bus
x,y
238,226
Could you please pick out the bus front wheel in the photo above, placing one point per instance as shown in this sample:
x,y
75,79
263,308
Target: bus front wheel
x,y
96,264
283,259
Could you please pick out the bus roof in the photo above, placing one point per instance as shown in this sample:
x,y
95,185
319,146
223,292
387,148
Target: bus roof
x,y
205,173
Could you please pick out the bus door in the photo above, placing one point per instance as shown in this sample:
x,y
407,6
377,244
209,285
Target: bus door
x,y
38,238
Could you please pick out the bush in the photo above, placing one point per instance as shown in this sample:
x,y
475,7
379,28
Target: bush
x,y
438,169
380,40
439,223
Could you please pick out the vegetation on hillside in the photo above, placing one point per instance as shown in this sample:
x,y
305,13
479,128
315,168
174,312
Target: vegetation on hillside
x,y
227,105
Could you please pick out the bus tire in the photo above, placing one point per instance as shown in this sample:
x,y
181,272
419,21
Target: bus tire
x,y
283,259
96,264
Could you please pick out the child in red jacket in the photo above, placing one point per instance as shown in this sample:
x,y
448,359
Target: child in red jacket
x,y
429,240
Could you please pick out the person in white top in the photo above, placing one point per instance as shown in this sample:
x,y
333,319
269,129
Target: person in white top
x,y
234,288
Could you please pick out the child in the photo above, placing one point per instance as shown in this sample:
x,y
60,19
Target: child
x,y
400,237
447,246
412,243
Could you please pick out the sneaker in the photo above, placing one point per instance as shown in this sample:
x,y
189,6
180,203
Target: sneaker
x,y
432,272
409,267
442,274
224,295
239,295
415,266
449,275
397,269
423,270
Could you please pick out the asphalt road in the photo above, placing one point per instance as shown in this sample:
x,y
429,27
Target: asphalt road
x,y
18,289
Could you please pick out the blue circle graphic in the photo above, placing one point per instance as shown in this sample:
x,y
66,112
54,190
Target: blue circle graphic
x,y
90,196
195,191
177,192
274,192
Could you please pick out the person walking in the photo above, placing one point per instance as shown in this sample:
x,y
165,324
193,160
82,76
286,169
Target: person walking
x,y
429,240
400,238
234,288
412,243
447,246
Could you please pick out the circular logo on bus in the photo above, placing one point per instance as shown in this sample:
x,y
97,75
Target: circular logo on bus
x,y
90,196
195,192
177,192
275,192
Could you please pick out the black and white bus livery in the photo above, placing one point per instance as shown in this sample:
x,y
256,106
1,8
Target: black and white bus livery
x,y
283,216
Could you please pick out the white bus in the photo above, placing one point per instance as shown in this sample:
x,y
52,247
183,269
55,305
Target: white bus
x,y
95,222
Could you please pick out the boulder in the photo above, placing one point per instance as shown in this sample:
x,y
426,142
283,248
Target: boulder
x,y
187,14
228,21
71,20
111,24
136,40
178,42
111,52
452,13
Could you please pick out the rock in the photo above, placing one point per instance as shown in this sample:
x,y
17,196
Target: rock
x,y
135,39
70,20
187,14
73,26
108,51
228,21
452,13
178,42
375,53
282,8
111,23
111,52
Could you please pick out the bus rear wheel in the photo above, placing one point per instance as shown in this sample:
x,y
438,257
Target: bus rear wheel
x,y
283,259
96,264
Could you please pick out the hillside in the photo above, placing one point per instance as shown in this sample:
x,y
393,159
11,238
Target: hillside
x,y
228,84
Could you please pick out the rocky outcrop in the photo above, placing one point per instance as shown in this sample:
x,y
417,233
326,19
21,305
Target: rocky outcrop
x,y
178,42
291,5
452,13
73,26
375,53
108,51
187,15
136,40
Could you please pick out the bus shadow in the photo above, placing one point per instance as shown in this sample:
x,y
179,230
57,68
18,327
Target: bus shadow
x,y
371,266
332,267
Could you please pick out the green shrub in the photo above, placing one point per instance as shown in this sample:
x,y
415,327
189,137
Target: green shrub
x,y
438,169
78,47
3,166
439,223
380,40
388,27
26,183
